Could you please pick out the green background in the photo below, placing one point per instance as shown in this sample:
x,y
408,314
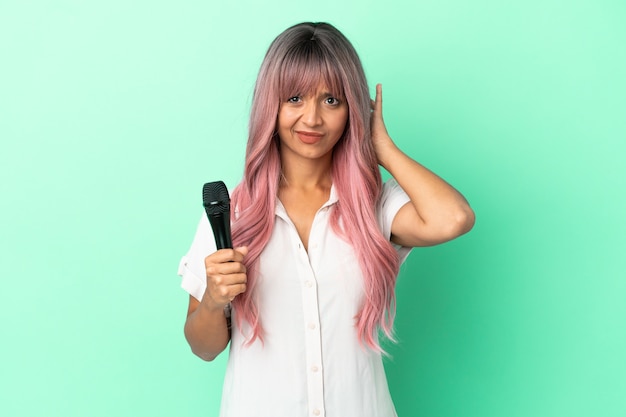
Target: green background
x,y
114,113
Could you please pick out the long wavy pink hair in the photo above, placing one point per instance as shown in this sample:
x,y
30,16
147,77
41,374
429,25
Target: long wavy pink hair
x,y
298,60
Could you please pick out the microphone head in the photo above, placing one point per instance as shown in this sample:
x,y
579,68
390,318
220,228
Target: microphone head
x,y
215,198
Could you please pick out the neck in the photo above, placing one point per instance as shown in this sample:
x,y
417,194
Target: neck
x,y
306,174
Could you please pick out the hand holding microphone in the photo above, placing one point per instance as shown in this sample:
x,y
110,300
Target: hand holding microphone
x,y
225,275
225,271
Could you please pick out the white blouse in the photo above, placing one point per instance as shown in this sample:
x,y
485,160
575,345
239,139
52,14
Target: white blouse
x,y
310,362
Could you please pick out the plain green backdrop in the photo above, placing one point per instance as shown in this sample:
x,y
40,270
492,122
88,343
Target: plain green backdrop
x,y
114,113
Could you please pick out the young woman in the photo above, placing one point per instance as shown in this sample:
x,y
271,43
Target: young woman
x,y
318,240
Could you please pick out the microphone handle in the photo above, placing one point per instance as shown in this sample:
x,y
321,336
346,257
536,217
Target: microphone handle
x,y
220,223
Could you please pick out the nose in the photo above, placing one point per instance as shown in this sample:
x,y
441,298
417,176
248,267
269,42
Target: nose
x,y
311,115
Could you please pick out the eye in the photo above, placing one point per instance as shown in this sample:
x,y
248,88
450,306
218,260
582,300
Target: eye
x,y
294,99
332,101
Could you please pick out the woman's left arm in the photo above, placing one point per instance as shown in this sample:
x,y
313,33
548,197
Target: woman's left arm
x,y
437,212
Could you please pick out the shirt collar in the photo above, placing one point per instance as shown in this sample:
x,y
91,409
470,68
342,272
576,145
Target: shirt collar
x,y
332,199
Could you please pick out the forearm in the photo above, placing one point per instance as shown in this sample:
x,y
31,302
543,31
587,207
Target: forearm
x,y
441,210
206,331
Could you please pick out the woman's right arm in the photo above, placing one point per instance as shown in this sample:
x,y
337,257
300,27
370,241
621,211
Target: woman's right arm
x,y
206,328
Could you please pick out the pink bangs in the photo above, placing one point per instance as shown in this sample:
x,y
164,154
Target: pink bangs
x,y
305,69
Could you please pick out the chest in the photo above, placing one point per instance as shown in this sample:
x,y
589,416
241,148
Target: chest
x,y
326,273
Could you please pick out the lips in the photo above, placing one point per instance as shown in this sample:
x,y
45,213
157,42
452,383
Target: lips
x,y
309,137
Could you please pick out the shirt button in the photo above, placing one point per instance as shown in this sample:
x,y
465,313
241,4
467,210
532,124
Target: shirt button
x,y
312,326
308,284
314,368
316,412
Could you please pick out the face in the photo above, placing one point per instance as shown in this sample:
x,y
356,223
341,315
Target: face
x,y
310,126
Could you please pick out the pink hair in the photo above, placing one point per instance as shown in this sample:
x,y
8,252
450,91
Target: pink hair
x,y
298,60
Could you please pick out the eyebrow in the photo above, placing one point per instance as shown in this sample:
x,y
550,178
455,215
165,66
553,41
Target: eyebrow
x,y
323,94
326,94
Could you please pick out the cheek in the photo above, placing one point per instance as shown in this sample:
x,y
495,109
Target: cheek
x,y
280,124
284,119
341,122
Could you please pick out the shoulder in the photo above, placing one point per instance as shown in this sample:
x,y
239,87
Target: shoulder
x,y
392,197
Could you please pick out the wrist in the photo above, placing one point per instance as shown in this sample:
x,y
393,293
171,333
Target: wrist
x,y
387,153
211,306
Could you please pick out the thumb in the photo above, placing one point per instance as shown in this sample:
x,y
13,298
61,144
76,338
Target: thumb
x,y
242,250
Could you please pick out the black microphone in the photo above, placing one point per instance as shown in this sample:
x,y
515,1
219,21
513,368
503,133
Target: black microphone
x,y
217,206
